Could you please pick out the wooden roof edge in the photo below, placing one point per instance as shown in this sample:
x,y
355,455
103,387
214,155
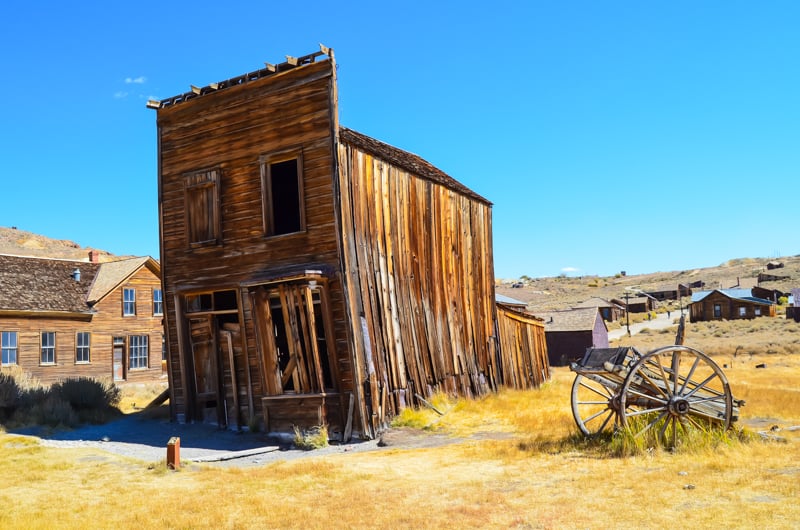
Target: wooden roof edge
x,y
35,313
146,261
268,71
407,161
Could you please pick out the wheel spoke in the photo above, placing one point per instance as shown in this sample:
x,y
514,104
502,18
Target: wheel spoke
x,y
701,385
676,370
593,389
663,429
654,385
664,378
691,372
645,411
649,425
596,414
647,396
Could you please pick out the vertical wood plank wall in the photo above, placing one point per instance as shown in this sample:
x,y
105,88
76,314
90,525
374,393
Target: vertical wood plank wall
x,y
419,258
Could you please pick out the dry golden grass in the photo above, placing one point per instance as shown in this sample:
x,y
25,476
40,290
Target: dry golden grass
x,y
515,463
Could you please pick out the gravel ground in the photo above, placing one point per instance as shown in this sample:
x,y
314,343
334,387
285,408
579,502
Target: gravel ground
x,y
146,439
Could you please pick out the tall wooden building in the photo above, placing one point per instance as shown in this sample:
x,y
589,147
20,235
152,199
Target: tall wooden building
x,y
313,274
65,318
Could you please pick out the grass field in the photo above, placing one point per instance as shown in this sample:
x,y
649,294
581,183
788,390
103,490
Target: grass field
x,y
516,462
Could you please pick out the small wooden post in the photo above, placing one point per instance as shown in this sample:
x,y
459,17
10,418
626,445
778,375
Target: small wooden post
x,y
174,453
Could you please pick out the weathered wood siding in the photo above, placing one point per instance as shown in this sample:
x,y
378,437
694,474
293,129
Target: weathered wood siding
x,y
419,266
104,325
523,349
229,131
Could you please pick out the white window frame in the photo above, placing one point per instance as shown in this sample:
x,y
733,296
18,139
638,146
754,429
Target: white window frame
x,y
9,347
158,302
128,302
83,347
47,352
138,352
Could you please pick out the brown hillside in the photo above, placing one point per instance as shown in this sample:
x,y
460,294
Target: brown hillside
x,y
21,243
564,292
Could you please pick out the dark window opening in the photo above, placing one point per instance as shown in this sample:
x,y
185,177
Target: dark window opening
x,y
216,301
283,195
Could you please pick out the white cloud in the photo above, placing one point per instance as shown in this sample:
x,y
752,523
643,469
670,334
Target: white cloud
x,y
570,269
135,80
120,95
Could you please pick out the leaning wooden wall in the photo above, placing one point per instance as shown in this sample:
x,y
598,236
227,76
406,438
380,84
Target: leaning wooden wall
x,y
523,349
418,258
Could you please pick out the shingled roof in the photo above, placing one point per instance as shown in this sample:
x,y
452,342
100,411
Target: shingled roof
x,y
407,161
580,319
46,285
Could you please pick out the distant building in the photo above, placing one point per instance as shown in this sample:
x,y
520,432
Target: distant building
x,y
569,332
728,304
65,318
610,311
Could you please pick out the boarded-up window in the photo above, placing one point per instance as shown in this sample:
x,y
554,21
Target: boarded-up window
x,y
202,207
282,192
296,338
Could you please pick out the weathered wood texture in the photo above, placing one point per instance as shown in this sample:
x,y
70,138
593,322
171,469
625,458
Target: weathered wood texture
x,y
105,323
522,341
419,260
386,291
231,131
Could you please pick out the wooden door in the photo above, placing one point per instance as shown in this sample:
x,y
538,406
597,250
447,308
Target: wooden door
x,y
119,358
205,357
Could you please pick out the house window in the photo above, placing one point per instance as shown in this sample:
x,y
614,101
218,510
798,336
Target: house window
x,y
129,302
158,302
9,347
742,311
48,347
757,311
717,311
83,347
282,191
202,207
137,352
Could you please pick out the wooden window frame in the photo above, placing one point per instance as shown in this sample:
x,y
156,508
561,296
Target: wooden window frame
x,y
134,352
128,305
717,310
49,348
158,304
205,182
265,163
7,348
83,350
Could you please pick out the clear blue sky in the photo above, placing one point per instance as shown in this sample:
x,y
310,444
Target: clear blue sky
x,y
610,135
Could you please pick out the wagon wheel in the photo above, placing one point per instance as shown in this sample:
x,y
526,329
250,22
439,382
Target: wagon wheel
x,y
672,391
595,406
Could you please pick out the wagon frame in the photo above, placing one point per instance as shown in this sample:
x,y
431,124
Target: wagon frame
x,y
669,391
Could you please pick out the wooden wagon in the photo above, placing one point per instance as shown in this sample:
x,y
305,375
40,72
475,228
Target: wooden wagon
x,y
669,391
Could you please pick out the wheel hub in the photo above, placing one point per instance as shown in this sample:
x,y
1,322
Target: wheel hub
x,y
678,406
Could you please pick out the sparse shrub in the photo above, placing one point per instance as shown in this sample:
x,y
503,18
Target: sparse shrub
x,y
313,438
52,412
85,393
9,394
